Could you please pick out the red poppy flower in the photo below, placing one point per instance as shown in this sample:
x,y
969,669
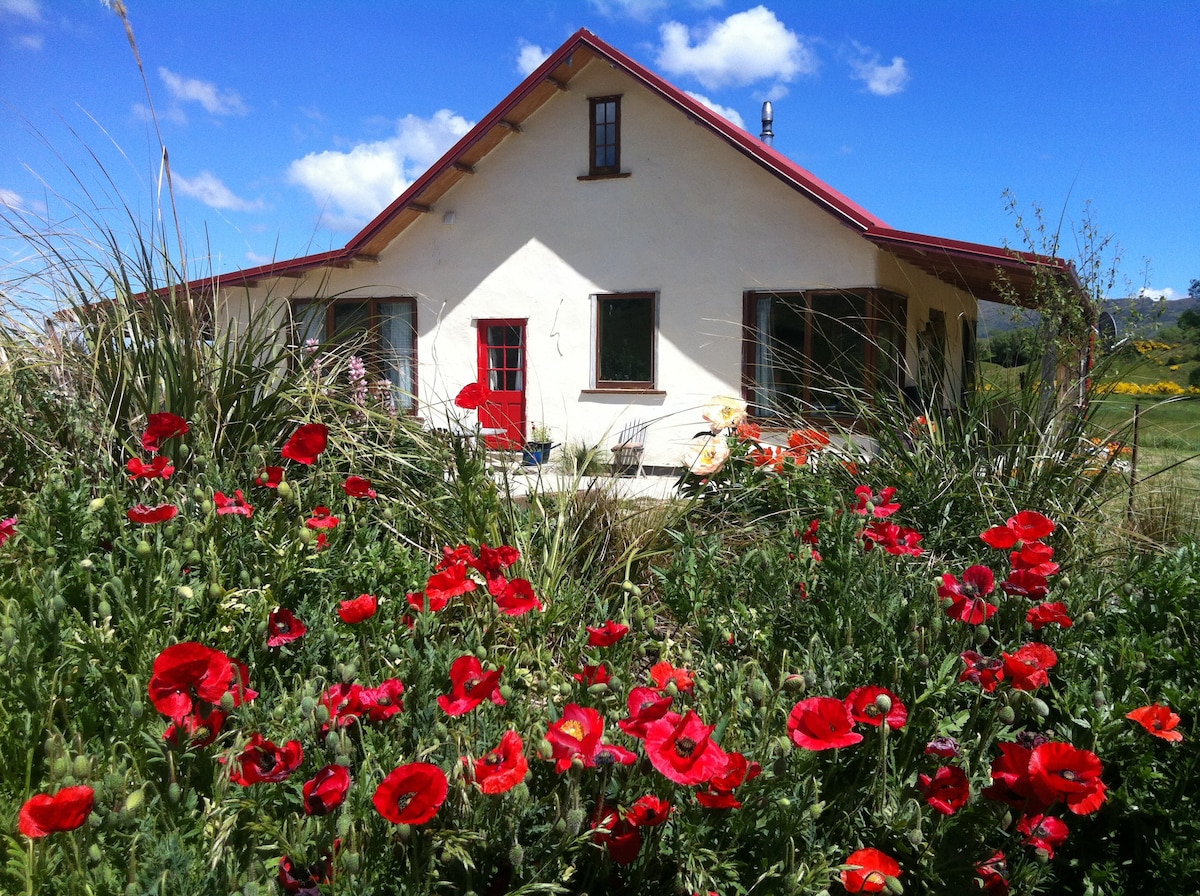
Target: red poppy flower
x,y
159,468
869,872
943,746
1158,720
270,477
326,790
967,603
382,701
1034,557
235,504
622,838
575,735
867,708
283,627
1063,772
146,515
357,487
721,786
441,586
470,686
306,443
590,675
610,754
646,705
195,730
502,769
606,635
748,432
810,440
518,598
411,794
470,396
822,723
991,872
190,671
649,811
342,703
321,519
1010,778
49,813
985,671
262,761
1026,669
682,748
1048,614
1024,583
8,528
947,791
1028,525
880,505
664,673
1043,832
492,560
894,539
159,427
304,880
358,609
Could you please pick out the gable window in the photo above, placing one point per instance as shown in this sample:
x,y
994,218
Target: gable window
x,y
625,340
382,331
811,351
605,136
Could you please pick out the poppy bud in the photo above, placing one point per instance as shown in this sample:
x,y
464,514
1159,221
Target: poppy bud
x,y
598,689
332,740
915,837
144,550
575,817
206,506
1040,708
185,591
560,826
134,800
227,702
883,703
82,767
250,889
174,792
95,505
545,749
284,491
1006,715
506,692
1099,700
135,710
94,854
577,766
215,591
86,563
795,684
343,825
516,855
983,631
894,886
627,586
307,536
194,558
103,609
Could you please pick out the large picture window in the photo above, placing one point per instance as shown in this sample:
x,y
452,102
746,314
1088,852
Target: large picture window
x,y
384,332
625,340
813,351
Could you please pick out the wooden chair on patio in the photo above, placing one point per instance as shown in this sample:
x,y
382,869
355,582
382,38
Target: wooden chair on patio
x,y
627,452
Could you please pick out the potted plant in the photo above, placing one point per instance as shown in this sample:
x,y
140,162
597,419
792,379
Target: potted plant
x,y
537,446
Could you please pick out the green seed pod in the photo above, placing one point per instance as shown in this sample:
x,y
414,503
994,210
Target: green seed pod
x,y
883,703
635,591
1006,715
783,802
575,819
1088,617
144,550
1099,699
244,578
923,661
395,651
1040,708
481,652
672,689
348,672
332,741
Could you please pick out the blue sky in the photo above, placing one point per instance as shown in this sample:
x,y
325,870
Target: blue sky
x,y
289,125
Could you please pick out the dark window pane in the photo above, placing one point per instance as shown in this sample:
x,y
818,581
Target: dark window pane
x,y
626,334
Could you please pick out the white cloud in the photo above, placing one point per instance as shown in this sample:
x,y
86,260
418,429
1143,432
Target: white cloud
x,y
529,57
358,184
1147,293
30,42
11,199
192,90
641,10
21,9
724,111
210,190
746,47
881,80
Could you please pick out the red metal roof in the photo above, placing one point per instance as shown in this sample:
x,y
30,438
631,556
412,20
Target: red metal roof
x,y
967,265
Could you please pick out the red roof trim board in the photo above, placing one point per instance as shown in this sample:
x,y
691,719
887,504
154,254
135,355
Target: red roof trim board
x,y
847,211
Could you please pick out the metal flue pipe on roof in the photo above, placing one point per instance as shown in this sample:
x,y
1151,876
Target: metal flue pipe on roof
x,y
768,118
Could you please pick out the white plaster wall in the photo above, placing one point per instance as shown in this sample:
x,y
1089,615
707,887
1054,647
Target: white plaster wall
x,y
696,222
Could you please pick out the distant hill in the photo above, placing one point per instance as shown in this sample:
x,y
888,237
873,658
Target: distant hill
x,y
1144,316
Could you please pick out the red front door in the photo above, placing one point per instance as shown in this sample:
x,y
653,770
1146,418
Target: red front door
x,y
502,372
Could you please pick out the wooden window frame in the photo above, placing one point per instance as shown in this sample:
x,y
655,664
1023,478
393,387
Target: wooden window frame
x,y
624,385
614,169
374,315
881,304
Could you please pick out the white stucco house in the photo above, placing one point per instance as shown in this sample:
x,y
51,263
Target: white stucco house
x,y
601,248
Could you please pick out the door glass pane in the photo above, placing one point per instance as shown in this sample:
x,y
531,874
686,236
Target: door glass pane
x,y
839,342
398,348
